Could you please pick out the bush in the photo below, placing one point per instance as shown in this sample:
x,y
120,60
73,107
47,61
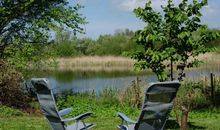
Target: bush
x,y
11,91
191,96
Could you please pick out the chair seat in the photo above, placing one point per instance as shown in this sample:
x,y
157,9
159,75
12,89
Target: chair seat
x,y
79,126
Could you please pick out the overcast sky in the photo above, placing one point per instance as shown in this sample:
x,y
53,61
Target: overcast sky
x,y
106,16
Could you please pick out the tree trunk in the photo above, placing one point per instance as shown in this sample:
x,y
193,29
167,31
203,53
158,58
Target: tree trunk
x,y
184,120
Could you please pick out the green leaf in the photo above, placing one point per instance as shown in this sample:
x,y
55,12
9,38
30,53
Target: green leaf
x,y
170,35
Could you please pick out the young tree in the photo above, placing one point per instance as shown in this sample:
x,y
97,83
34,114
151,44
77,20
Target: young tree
x,y
170,37
32,21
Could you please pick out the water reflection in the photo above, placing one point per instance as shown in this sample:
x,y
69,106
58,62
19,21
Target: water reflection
x,y
97,81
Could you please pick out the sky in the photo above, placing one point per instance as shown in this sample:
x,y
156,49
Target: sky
x,y
107,16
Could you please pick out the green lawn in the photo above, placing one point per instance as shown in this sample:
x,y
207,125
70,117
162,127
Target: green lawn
x,y
40,123
104,116
205,119
23,123
205,123
198,120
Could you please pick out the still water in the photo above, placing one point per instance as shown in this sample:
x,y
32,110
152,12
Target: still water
x,y
79,81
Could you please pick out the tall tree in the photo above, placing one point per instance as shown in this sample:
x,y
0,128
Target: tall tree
x,y
32,21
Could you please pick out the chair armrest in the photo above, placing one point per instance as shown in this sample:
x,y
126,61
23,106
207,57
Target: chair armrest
x,y
125,118
79,117
122,127
65,111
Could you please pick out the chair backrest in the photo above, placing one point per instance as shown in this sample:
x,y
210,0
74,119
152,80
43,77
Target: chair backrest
x,y
47,102
157,105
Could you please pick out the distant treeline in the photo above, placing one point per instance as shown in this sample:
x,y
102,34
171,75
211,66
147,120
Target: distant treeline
x,y
66,45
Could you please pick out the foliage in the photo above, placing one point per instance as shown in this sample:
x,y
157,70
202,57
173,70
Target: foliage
x,y
216,42
23,32
11,91
133,95
31,21
64,49
191,95
7,111
195,96
104,105
67,45
170,37
24,56
116,44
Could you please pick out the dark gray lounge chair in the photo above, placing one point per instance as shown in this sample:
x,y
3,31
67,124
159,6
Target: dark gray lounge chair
x,y
156,107
55,118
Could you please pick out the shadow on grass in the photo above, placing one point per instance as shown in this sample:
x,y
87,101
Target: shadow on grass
x,y
172,124
194,127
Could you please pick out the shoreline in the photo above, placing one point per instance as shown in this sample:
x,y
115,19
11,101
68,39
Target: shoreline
x,y
117,63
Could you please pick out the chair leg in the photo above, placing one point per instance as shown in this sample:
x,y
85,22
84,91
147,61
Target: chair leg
x,y
77,123
84,125
164,124
122,127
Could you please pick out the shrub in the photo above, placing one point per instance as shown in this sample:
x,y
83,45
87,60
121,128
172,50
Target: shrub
x,y
191,95
11,91
133,95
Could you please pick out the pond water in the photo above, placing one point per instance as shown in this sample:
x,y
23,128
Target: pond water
x,y
79,81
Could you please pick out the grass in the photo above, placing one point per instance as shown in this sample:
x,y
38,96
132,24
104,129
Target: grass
x,y
104,107
14,120
199,119
23,123
95,63
211,60
205,119
116,63
40,123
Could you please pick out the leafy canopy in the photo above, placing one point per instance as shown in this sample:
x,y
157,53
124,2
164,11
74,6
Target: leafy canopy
x,y
170,36
33,20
